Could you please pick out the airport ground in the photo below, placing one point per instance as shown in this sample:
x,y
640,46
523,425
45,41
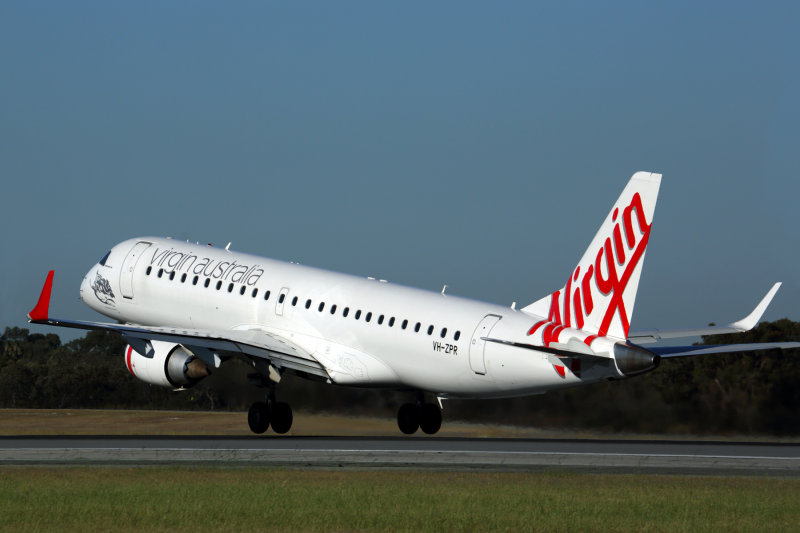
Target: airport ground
x,y
245,497
222,423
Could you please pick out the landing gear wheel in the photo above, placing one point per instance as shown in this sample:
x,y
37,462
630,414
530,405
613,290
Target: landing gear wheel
x,y
258,417
407,419
430,418
281,417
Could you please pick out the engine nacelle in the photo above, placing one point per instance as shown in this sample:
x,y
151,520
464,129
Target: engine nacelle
x,y
165,363
633,360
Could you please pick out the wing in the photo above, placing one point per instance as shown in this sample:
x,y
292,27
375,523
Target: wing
x,y
740,326
250,342
745,324
706,349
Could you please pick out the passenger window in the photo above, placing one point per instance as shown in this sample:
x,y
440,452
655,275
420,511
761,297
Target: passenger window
x,y
333,309
206,284
266,296
183,278
308,304
230,287
380,319
219,285
321,306
416,327
255,292
444,332
430,329
172,275
294,301
241,291
194,280
404,324
346,311
160,272
457,335
149,269
391,322
368,317
358,314
281,298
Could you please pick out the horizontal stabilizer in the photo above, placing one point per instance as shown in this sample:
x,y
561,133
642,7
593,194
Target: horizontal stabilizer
x,y
740,326
707,349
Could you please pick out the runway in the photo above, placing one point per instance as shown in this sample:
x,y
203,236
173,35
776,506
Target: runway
x,y
585,455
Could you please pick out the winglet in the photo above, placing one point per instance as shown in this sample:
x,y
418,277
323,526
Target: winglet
x,y
39,313
750,321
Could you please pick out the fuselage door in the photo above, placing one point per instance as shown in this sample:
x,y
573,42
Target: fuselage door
x,y
476,346
128,265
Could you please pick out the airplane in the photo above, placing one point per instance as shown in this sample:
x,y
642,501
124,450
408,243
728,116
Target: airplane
x,y
185,309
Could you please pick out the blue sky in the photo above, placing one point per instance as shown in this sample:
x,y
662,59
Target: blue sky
x,y
468,143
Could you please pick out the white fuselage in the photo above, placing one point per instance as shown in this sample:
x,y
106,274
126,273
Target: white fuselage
x,y
392,336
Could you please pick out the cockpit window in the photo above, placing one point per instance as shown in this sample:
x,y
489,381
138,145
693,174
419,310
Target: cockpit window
x,y
103,260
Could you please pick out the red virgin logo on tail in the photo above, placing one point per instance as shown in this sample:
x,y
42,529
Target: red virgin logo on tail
x,y
578,302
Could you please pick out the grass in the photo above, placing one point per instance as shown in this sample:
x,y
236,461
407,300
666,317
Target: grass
x,y
122,422
262,499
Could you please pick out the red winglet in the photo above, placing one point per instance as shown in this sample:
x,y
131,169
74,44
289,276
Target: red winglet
x,y
39,313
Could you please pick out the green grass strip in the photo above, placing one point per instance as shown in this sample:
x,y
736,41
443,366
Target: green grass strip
x,y
262,499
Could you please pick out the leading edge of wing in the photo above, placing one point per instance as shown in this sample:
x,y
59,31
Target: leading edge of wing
x,y
707,349
255,343
745,324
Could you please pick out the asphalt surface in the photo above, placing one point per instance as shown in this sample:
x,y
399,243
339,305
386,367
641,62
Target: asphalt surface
x,y
626,456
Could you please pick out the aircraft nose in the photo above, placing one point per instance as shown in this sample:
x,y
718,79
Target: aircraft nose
x,y
86,283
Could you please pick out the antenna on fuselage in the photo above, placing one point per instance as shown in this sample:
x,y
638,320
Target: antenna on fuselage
x,y
227,247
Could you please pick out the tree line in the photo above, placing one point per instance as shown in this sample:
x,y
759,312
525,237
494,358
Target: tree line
x,y
743,393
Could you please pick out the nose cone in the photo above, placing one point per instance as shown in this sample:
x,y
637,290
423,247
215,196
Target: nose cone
x,y
96,291
86,287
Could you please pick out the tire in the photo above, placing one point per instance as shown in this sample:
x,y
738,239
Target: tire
x,y
430,418
407,419
258,417
281,417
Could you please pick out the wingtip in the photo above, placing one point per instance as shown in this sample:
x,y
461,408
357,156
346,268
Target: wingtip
x,y
40,312
750,321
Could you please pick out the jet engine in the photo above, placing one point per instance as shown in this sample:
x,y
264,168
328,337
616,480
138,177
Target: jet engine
x,y
165,364
633,360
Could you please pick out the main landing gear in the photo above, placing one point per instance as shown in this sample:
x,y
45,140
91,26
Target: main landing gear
x,y
263,414
420,415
